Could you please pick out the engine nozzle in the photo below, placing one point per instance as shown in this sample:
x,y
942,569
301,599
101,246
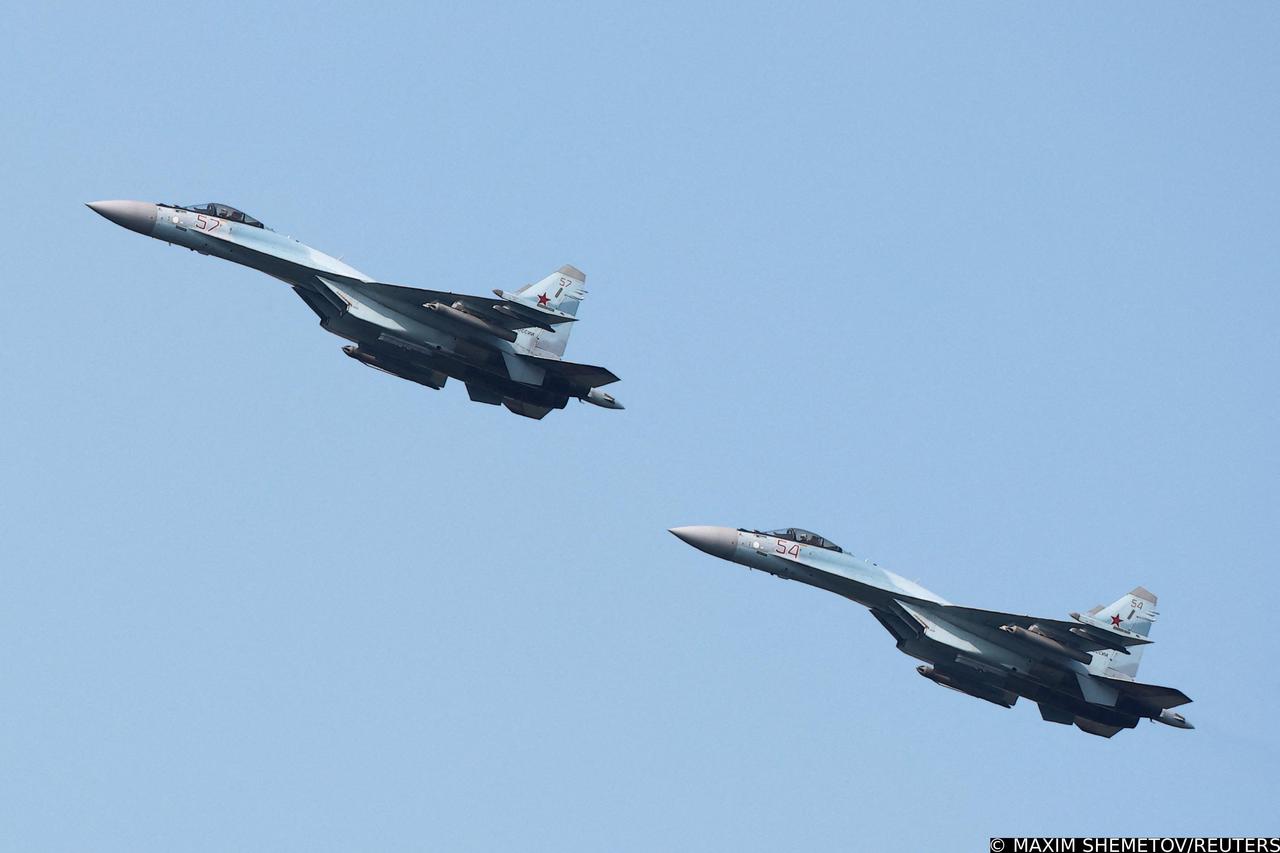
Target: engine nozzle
x,y
596,397
1173,718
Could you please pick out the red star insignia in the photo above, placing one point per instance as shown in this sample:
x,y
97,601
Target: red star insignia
x,y
1115,621
542,299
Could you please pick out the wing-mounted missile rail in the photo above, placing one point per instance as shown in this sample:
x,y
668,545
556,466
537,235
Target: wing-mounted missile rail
x,y
1047,644
498,319
1106,635
466,323
530,313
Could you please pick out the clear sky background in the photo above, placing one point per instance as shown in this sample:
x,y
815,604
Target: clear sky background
x,y
985,292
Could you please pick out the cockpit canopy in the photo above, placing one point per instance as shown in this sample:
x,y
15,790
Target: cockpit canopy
x,y
804,537
223,211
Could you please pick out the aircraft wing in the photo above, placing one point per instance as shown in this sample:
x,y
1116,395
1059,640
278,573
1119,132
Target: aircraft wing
x,y
1147,694
584,375
500,312
1086,638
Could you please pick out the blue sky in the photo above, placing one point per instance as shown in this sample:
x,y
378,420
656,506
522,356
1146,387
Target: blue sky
x,y
985,292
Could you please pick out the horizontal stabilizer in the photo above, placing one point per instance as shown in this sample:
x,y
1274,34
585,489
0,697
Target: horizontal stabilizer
x,y
1152,695
580,375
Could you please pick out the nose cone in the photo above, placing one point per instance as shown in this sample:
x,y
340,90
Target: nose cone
x,y
717,541
137,216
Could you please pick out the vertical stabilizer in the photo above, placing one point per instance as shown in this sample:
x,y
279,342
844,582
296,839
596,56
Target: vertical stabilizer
x,y
1134,612
563,290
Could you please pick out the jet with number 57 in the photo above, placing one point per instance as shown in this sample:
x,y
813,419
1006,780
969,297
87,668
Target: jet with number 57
x,y
507,348
1080,672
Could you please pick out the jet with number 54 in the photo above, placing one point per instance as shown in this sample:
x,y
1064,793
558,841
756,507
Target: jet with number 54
x,y
1080,672
507,348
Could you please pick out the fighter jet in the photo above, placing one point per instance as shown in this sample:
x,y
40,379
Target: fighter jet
x,y
1079,672
507,348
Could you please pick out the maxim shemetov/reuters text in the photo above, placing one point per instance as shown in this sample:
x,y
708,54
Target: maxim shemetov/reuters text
x,y
1135,845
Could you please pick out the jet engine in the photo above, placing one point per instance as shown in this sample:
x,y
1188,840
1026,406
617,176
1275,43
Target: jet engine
x,y
986,692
